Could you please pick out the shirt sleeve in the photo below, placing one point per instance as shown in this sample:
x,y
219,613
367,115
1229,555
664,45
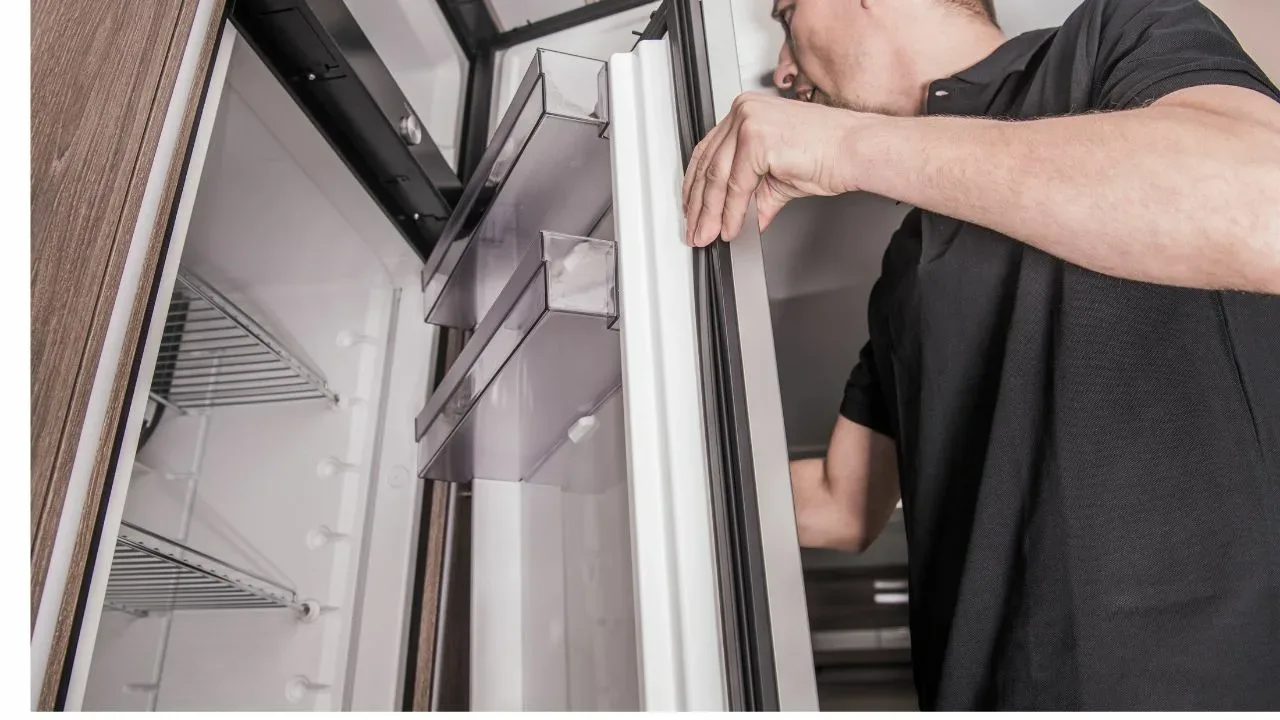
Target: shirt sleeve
x,y
1148,49
864,398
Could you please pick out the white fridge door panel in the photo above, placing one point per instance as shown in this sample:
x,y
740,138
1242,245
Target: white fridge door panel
x,y
678,615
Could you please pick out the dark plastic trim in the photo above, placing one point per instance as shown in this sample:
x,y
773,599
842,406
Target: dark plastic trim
x,y
317,51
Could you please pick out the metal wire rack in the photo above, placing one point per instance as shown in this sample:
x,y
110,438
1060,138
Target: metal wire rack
x,y
213,354
150,573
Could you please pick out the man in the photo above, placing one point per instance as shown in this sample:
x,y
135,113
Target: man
x,y
1073,376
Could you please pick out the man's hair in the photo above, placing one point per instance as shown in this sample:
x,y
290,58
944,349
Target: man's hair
x,y
984,8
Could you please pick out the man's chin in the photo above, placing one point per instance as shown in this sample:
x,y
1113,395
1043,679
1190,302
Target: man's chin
x,y
820,98
864,108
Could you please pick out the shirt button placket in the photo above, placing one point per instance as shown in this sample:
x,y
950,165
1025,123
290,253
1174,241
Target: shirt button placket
x,y
938,93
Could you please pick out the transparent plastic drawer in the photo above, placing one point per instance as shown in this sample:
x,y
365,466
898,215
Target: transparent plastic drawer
x,y
544,359
547,168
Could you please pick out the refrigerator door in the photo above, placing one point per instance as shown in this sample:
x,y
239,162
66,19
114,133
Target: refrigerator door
x,y
679,619
594,565
664,96
720,596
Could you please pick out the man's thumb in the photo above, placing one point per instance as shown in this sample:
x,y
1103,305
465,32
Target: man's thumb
x,y
769,202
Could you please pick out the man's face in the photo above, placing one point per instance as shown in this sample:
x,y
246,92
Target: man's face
x,y
842,53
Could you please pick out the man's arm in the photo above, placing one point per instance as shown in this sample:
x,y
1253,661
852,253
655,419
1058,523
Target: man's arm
x,y
1183,192
844,501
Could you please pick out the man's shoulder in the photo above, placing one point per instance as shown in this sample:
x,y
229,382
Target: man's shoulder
x,y
1115,16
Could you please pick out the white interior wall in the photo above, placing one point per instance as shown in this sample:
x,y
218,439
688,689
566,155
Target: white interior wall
x,y
282,228
580,497
553,610
381,607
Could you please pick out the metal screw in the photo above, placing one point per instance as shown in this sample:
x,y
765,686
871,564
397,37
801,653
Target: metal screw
x,y
410,129
311,76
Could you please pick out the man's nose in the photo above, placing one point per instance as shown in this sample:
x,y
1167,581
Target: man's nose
x,y
784,76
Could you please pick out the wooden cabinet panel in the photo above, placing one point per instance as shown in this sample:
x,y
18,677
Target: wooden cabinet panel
x,y
102,75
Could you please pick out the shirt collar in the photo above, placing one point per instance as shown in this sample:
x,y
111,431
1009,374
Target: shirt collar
x,y
1009,58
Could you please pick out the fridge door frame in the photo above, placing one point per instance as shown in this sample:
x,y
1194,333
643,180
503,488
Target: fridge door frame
x,y
761,402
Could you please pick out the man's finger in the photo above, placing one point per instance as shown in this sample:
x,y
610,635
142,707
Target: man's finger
x,y
696,159
745,176
769,202
693,212
719,165
691,171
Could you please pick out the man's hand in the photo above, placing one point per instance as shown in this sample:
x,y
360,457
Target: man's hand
x,y
775,149
1183,192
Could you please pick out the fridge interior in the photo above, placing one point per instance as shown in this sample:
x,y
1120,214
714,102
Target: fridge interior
x,y
319,498
251,473
269,536
286,234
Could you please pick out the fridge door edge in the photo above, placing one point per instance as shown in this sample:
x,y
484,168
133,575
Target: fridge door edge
x,y
673,537
784,577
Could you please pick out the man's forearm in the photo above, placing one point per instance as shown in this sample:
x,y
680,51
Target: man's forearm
x,y
1168,195
844,501
822,521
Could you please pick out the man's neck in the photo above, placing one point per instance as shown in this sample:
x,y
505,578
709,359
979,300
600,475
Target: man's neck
x,y
948,45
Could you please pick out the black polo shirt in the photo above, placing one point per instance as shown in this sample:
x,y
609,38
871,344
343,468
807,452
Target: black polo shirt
x,y
1090,466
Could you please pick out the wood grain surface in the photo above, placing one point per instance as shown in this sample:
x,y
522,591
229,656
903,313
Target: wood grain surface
x,y
102,75
439,662
428,626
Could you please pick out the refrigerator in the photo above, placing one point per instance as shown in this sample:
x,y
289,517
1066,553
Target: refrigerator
x,y
435,410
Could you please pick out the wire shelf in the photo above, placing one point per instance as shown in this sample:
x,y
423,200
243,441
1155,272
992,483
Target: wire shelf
x,y
150,573
213,354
